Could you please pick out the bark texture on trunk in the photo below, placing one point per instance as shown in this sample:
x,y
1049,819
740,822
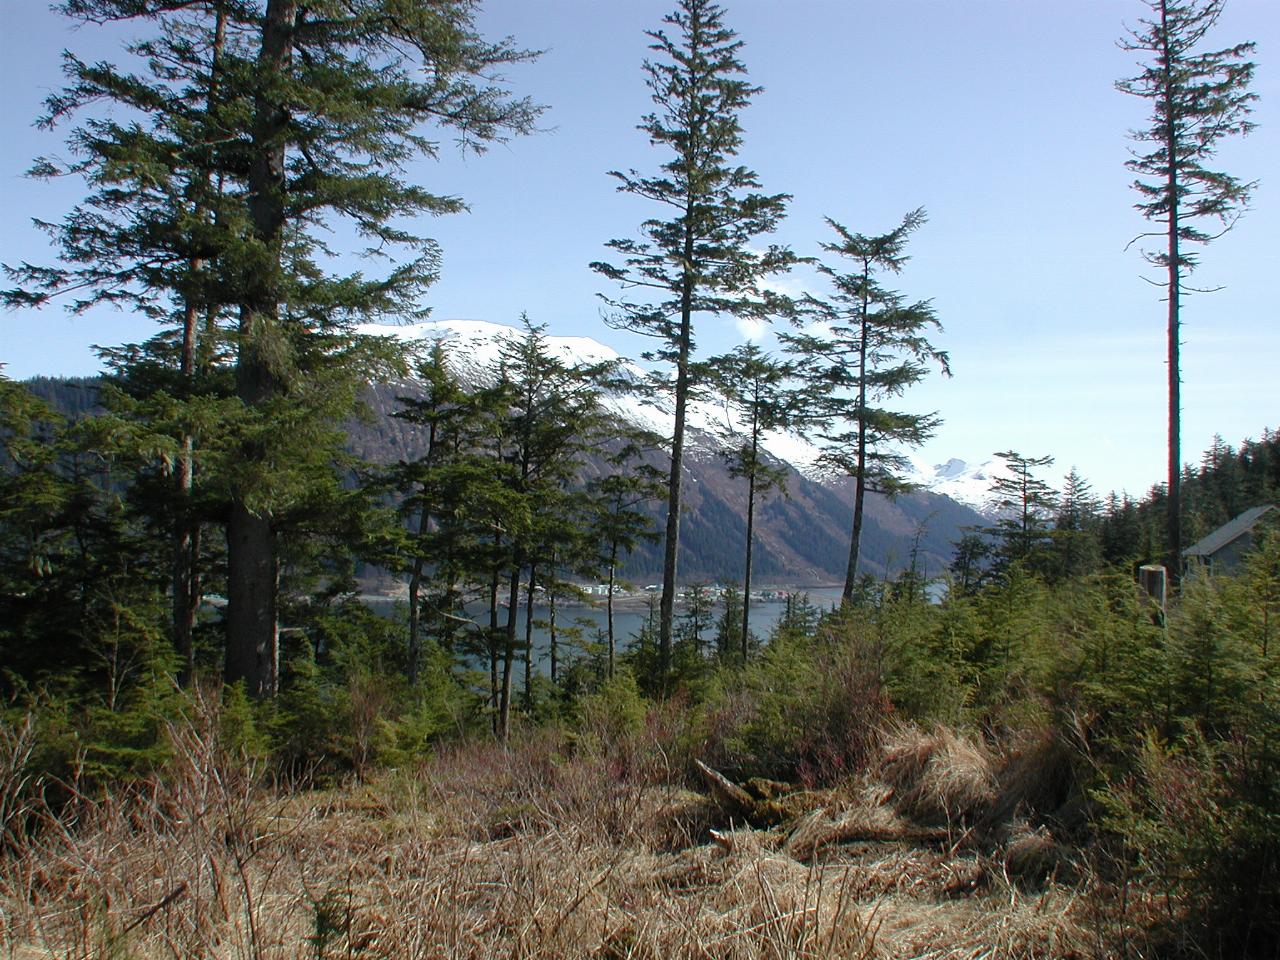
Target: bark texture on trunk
x,y
253,646
509,654
528,640
613,567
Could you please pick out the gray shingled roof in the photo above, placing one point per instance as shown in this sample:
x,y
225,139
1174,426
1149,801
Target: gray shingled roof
x,y
1228,532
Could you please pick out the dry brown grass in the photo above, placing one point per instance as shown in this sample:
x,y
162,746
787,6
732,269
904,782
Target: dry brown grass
x,y
522,852
938,776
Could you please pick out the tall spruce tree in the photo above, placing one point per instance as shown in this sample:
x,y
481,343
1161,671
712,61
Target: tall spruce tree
x,y
317,108
698,260
1197,98
868,345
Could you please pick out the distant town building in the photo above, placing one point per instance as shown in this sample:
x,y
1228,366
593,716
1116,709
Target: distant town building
x,y
1222,550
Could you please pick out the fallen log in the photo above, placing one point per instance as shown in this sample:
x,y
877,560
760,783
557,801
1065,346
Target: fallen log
x,y
728,796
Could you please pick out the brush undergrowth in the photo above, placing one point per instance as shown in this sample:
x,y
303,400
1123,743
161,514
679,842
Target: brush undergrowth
x,y
1030,771
546,849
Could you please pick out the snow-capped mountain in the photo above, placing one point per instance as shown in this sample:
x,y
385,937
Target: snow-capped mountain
x,y
965,483
802,537
474,346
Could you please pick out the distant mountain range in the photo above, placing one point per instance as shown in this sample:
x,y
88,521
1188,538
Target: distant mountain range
x,y
802,538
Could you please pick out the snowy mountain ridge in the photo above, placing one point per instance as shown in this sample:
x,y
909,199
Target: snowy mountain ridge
x,y
473,348
963,482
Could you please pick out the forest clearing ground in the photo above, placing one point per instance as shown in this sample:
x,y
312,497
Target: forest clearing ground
x,y
520,852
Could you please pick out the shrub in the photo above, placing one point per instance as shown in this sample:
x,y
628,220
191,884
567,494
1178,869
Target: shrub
x,y
810,709
1193,822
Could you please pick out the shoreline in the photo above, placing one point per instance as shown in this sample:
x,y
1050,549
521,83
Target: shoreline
x,y
629,601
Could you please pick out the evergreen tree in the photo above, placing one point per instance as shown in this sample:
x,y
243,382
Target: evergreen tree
x,y
699,260
760,400
1121,530
799,618
1026,505
443,410
695,620
315,111
970,565
910,585
82,582
868,345
143,240
553,419
1075,545
1197,99
730,640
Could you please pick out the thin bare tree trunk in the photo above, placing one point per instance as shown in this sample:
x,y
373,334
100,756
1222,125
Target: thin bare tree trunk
x,y
1173,514
415,613
613,567
528,642
860,480
509,652
494,688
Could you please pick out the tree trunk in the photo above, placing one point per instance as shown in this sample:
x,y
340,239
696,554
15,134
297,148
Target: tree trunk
x,y
253,646
608,604
186,534
415,575
509,653
860,468
415,614
492,638
672,545
252,632
1173,507
186,578
751,518
528,641
551,618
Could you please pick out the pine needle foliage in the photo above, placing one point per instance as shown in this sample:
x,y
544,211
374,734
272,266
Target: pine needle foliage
x,y
863,346
240,137
695,258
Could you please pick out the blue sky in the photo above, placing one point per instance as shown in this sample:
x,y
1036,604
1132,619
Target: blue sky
x,y
998,116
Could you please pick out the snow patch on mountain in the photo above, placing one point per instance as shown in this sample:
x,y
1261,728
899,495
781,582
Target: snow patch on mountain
x,y
963,482
473,347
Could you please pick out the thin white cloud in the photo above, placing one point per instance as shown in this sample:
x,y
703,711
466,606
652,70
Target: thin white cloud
x,y
751,329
